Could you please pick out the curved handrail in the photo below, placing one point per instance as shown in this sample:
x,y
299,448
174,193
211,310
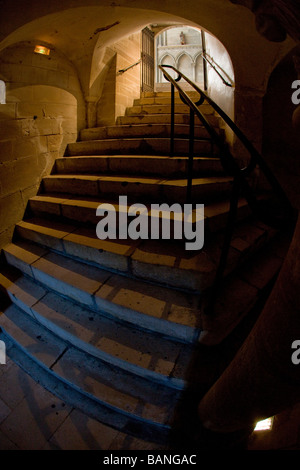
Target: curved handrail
x,y
229,162
129,67
204,56
230,165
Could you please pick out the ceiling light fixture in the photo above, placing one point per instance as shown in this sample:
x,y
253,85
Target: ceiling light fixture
x,y
42,50
264,425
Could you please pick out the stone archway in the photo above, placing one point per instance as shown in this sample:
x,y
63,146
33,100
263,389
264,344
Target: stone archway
x,y
178,46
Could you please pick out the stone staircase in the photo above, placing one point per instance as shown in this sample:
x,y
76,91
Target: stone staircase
x,y
114,327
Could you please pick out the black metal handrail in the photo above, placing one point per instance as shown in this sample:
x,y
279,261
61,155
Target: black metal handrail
x,y
229,163
129,67
204,56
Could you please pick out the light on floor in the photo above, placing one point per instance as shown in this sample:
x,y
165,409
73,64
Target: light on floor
x,y
42,50
264,425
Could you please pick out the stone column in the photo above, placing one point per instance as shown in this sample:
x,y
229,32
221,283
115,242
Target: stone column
x,y
262,379
193,65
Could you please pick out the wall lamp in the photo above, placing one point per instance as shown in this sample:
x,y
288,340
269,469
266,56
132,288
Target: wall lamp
x,y
264,425
42,50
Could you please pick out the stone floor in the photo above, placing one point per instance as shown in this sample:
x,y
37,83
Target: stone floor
x,y
31,418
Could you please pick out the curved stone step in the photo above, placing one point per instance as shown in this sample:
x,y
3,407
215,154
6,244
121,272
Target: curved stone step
x,y
180,108
67,372
164,98
141,130
151,357
167,93
139,188
83,210
164,119
109,396
162,262
79,210
154,308
137,165
140,146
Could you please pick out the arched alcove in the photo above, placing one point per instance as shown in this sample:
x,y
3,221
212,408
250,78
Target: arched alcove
x,y
42,113
178,46
199,69
165,60
185,65
201,57
26,73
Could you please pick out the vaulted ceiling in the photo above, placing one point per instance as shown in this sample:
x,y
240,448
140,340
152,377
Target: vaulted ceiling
x,y
82,29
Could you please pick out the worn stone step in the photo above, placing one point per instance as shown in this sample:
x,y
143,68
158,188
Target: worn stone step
x,y
167,94
206,109
139,189
133,119
140,146
163,262
137,165
138,259
83,210
141,130
151,357
111,396
240,292
158,100
162,98
155,308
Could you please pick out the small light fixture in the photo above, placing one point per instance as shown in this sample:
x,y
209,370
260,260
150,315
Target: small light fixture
x,y
264,425
42,50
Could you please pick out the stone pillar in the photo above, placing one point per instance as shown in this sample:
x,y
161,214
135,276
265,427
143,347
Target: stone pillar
x,y
91,111
262,380
193,65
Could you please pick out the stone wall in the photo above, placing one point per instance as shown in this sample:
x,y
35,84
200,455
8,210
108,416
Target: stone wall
x,y
281,140
120,89
222,94
43,112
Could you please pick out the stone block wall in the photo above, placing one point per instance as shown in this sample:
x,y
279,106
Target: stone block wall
x,y
43,112
120,89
